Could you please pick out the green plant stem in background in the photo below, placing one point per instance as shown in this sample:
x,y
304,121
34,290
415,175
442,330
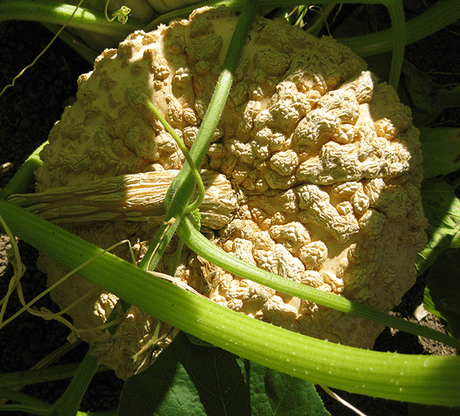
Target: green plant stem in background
x,y
419,379
70,401
442,14
26,403
41,375
23,177
53,12
396,11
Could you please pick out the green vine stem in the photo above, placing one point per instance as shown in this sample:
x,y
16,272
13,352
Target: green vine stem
x,y
198,243
181,189
67,37
41,375
396,11
23,177
196,175
412,378
69,403
25,403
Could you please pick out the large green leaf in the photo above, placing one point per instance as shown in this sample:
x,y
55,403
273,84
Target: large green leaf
x,y
442,291
426,98
442,209
194,380
441,151
418,91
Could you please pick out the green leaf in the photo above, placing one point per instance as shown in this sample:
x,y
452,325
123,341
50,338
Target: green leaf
x,y
442,209
455,243
441,150
426,98
419,91
442,292
194,380
275,393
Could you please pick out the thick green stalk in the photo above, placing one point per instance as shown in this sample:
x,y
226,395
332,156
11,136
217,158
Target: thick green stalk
x,y
53,12
70,401
419,379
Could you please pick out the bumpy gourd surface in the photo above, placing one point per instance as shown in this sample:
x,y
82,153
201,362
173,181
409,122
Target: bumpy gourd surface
x,y
323,160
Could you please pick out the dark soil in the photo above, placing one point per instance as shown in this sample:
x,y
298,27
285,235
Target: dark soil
x,y
27,113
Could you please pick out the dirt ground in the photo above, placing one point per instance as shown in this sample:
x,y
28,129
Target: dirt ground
x,y
27,112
